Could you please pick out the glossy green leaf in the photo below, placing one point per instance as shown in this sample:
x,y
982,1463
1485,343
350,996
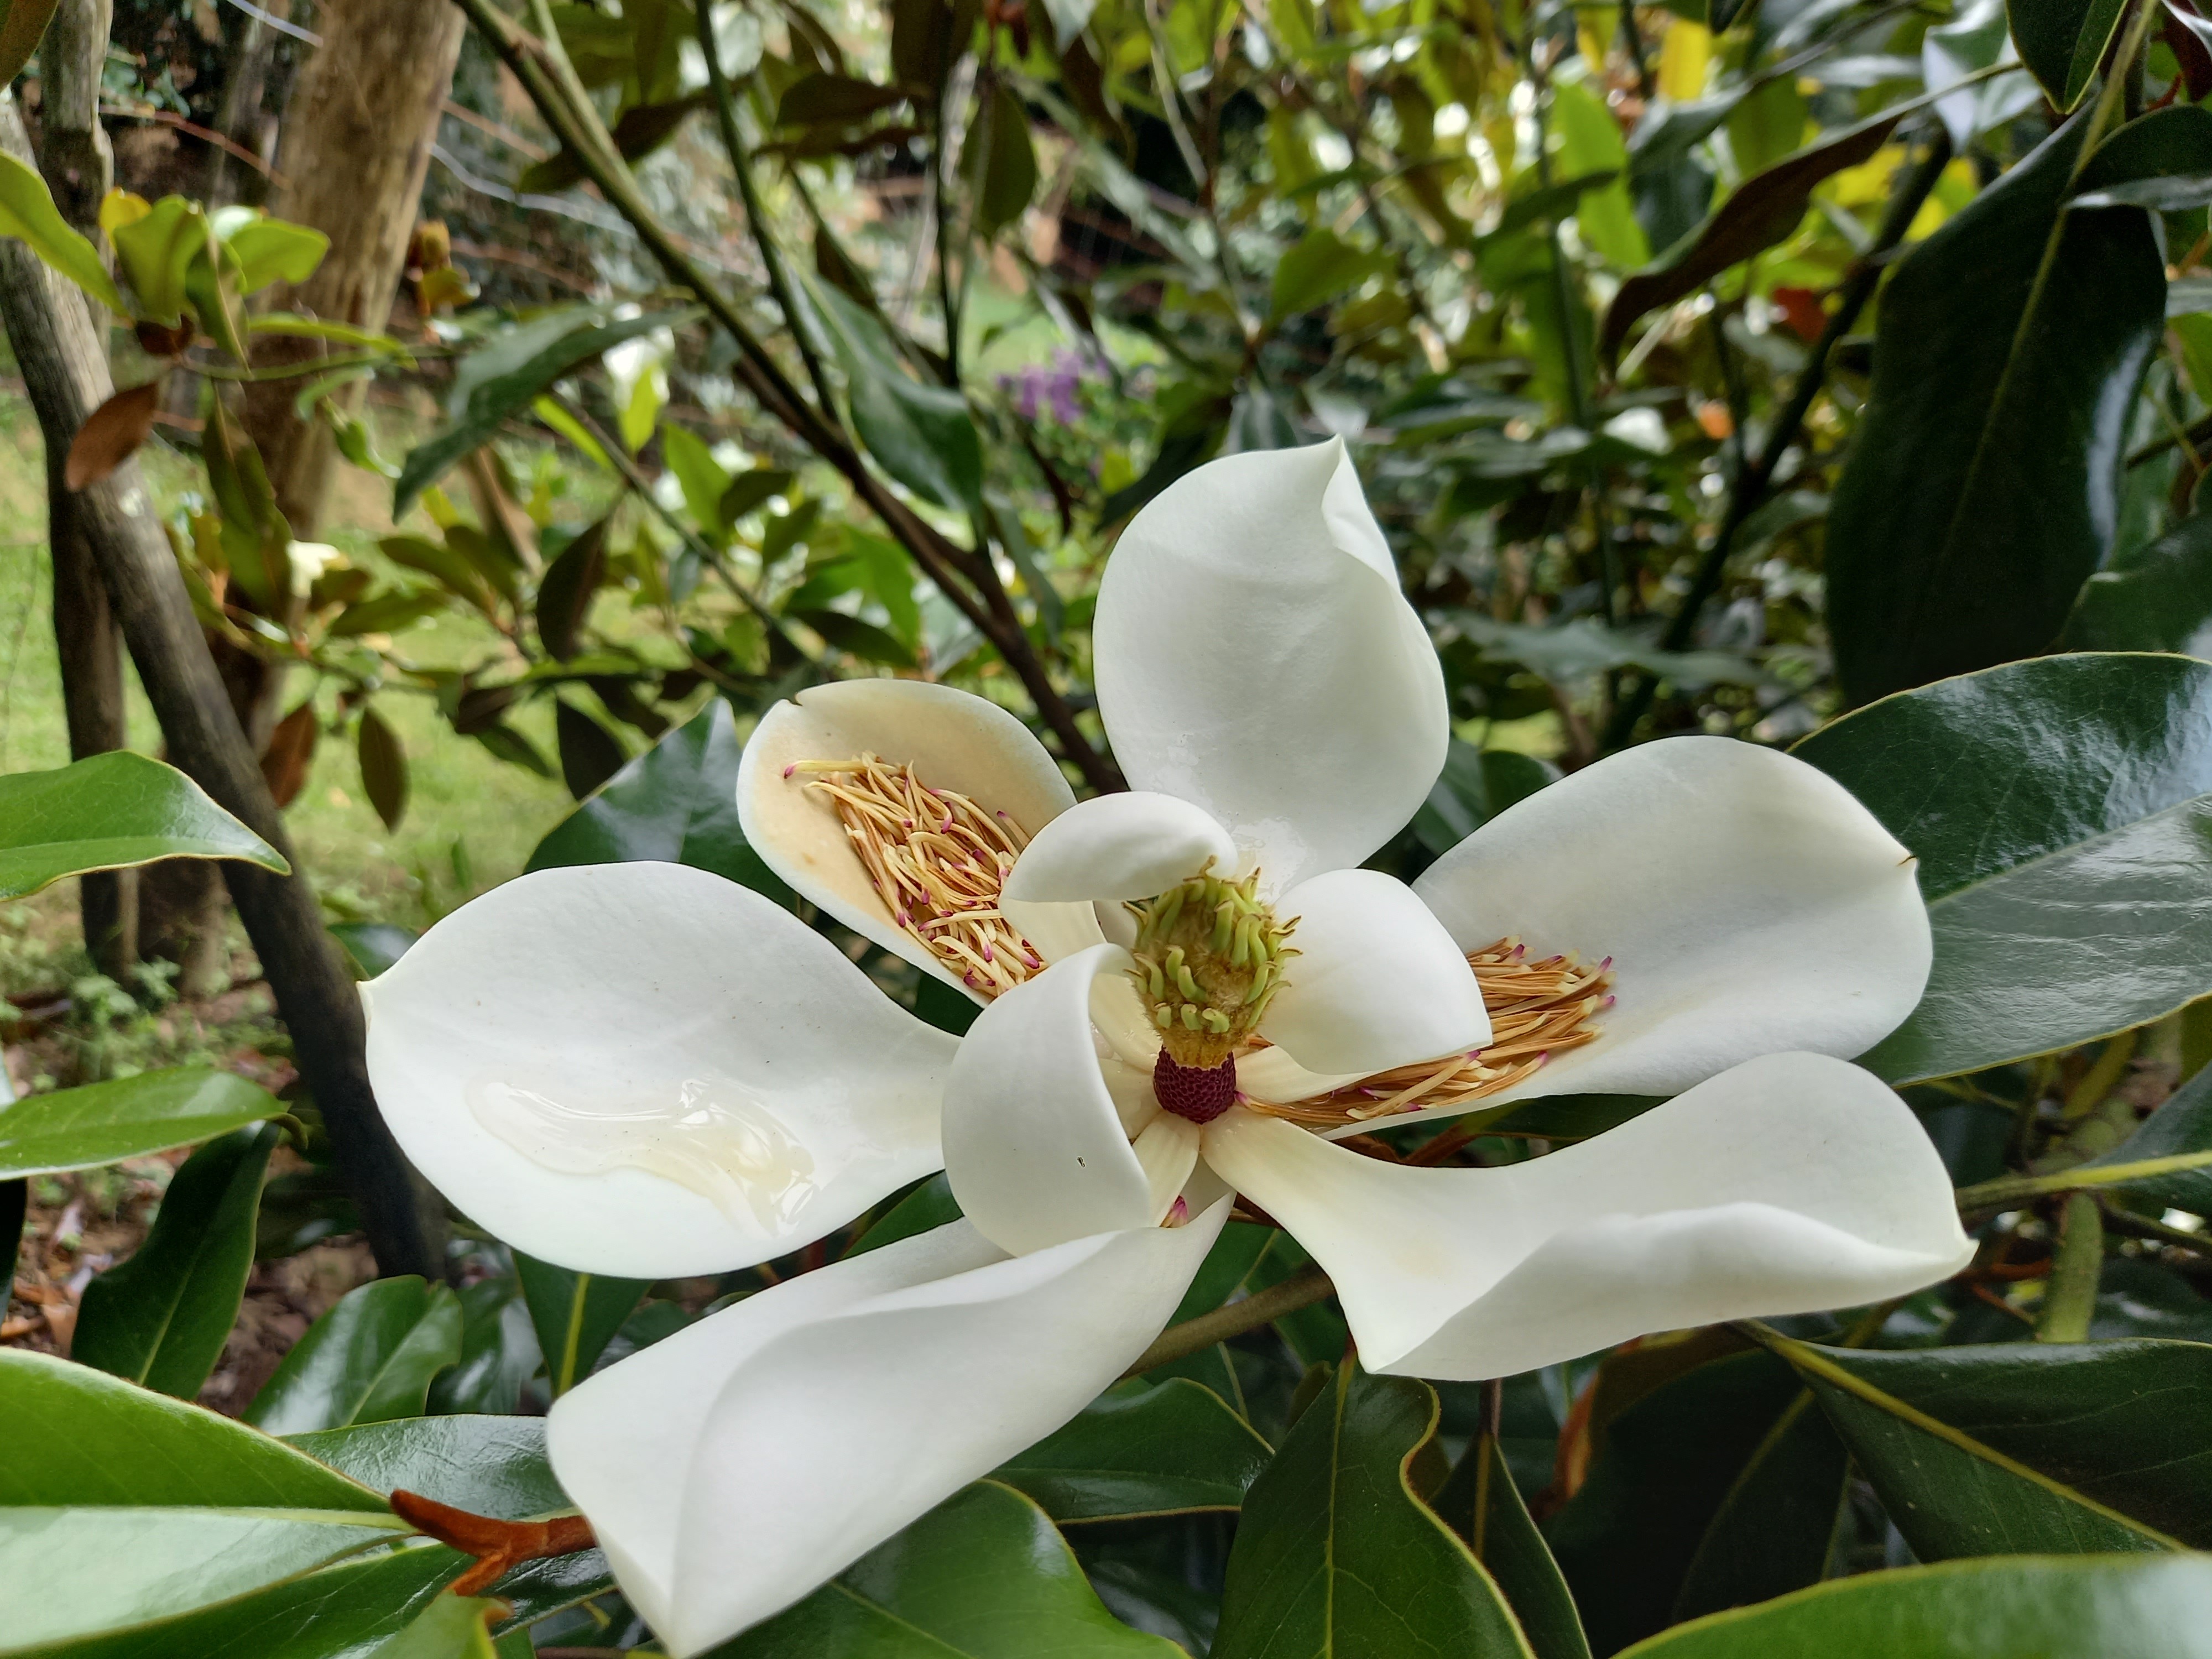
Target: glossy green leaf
x,y
922,435
929,1204
982,1575
2066,857
2025,1447
2011,1608
749,491
113,811
162,1317
2168,1159
576,1315
678,803
2157,596
370,1357
125,1117
570,583
1142,1449
274,250
499,1352
590,754
1763,210
347,1609
27,211
491,1465
1005,171
1483,1505
1977,500
1319,267
1704,1470
374,946
1336,1554
2061,41
155,254
497,397
449,1627
1475,786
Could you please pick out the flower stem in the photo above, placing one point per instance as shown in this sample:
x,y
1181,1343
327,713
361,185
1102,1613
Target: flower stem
x,y
2071,1299
1301,1289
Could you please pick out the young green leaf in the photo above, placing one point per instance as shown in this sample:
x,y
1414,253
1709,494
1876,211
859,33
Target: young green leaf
x,y
26,208
113,811
370,1357
101,1124
161,1318
576,1315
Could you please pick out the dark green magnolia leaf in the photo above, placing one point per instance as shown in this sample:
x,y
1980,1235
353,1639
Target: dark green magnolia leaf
x,y
383,767
678,803
982,1575
1981,486
126,1506
499,1352
1335,1553
492,1466
1574,650
2061,41
1139,1450
860,638
1319,267
929,1204
1483,1505
819,98
511,746
2022,1447
2006,1609
447,564
2066,856
590,754
387,613
1763,210
641,130
126,1117
370,1357
2168,1159
2157,596
374,946
922,435
570,583
748,491
492,401
161,1318
1720,1481
576,1315
113,811
1476,786
1006,170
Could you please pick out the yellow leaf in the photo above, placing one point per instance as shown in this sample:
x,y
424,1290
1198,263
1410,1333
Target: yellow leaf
x,y
1684,57
120,208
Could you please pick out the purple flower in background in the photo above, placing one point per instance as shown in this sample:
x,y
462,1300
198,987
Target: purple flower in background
x,y
1050,388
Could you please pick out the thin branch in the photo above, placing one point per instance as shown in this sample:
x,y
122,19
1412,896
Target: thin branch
x,y
1301,1289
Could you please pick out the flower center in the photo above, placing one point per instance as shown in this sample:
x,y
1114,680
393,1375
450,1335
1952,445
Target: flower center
x,y
938,861
1210,958
1537,1009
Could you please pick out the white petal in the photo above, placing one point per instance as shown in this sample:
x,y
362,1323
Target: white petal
x,y
1377,981
1057,931
732,1468
700,1081
1791,1183
1129,845
1749,902
954,740
1255,658
1034,1146
1168,1149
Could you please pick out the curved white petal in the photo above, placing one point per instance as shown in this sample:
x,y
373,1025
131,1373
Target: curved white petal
x,y
1793,1182
732,1468
1130,845
1377,981
645,1070
1749,902
1057,931
1255,658
954,739
1168,1149
1034,1146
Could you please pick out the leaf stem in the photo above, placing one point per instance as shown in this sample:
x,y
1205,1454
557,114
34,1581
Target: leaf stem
x,y
2008,1191
1751,487
2070,1299
1301,1289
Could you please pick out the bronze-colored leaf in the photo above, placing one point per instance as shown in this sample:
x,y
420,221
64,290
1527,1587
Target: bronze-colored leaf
x,y
22,25
383,767
291,746
111,433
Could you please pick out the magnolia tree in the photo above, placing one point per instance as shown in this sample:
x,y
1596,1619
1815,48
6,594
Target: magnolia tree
x,y
1465,940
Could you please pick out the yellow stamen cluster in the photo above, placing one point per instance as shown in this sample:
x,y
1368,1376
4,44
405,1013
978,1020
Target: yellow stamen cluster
x,y
1537,1009
938,861
1210,958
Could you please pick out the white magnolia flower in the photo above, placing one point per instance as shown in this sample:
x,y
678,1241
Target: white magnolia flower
x,y
1192,990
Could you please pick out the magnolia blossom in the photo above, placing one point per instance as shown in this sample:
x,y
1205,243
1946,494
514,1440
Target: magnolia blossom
x,y
1192,991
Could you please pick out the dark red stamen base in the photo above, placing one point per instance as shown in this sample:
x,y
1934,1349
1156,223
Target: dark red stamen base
x,y
1200,1093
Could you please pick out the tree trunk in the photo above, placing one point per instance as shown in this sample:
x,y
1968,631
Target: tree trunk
x,y
78,166
65,373
357,136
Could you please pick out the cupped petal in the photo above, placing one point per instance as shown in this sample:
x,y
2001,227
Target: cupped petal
x,y
1790,1184
1256,659
954,740
645,1070
1129,845
732,1468
1749,902
1034,1146
1376,982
